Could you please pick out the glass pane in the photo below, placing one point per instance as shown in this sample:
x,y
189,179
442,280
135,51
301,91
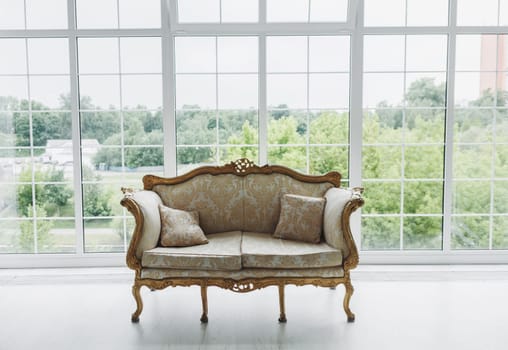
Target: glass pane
x,y
382,126
383,89
382,198
473,125
13,57
50,91
229,154
503,13
426,52
196,91
104,235
195,55
328,53
277,10
238,91
101,126
286,54
501,166
198,11
475,89
48,56
383,53
471,197
238,127
98,55
13,90
292,157
328,90
328,10
477,13
143,128
54,200
61,237
189,158
289,90
142,91
99,199
425,89
237,54
12,14
502,126
427,12
423,197
380,233
381,162
52,130
140,14
502,46
239,11
287,127
329,127
424,126
103,91
500,195
476,52
328,158
47,14
423,232
470,232
97,14
9,235
500,233
472,161
196,127
140,55
423,162
151,159
15,200
385,13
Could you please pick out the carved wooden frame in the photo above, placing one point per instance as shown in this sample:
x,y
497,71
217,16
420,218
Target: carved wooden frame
x,y
242,167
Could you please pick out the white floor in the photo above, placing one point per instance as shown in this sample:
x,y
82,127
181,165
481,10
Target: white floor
x,y
396,308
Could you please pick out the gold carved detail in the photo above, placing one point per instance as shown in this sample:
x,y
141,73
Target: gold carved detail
x,y
242,165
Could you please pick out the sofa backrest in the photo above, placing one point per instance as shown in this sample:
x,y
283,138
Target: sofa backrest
x,y
238,196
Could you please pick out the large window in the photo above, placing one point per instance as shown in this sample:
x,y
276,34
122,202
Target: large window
x,y
407,98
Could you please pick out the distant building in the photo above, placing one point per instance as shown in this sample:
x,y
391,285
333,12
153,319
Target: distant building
x,y
60,152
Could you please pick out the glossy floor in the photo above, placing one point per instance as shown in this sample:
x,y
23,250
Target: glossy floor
x,y
395,309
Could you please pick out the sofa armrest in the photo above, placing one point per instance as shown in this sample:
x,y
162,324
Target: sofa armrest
x,y
340,204
144,206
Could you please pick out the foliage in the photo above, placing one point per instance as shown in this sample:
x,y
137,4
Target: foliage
x,y
95,198
25,242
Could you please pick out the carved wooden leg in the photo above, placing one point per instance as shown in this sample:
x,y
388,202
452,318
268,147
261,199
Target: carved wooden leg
x,y
347,297
282,317
139,303
204,300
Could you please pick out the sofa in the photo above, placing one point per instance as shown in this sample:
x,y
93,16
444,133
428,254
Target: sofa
x,y
239,207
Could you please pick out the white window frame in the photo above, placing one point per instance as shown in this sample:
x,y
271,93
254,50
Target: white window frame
x,y
353,27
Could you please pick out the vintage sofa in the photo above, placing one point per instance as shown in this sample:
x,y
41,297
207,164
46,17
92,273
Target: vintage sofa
x,y
239,206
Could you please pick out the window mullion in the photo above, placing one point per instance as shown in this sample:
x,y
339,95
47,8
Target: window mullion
x,y
262,100
75,129
449,122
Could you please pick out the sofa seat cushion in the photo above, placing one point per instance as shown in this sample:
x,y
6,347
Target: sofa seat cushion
x,y
221,253
260,250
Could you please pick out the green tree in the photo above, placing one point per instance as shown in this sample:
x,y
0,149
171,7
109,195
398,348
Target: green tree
x,y
25,241
96,200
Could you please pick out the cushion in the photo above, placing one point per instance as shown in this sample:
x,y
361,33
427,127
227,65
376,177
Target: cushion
x,y
260,250
301,218
221,253
180,228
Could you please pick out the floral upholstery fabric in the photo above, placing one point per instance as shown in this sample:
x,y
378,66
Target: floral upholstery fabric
x,y
325,272
218,199
262,198
148,202
180,228
221,253
301,218
336,199
260,250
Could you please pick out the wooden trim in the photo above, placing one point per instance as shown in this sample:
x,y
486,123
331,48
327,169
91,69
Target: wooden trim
x,y
241,167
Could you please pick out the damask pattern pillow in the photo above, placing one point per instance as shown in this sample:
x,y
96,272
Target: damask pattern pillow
x,y
180,228
301,218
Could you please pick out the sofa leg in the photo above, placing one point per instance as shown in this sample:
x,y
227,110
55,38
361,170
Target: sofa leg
x,y
204,301
347,297
139,303
282,317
